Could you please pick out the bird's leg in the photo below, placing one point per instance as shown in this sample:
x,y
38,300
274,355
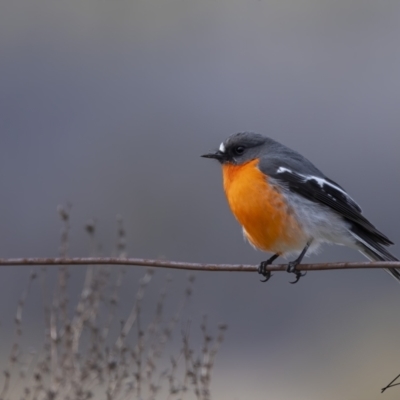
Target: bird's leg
x,y
293,264
262,269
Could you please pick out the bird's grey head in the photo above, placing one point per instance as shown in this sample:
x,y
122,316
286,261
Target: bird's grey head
x,y
240,148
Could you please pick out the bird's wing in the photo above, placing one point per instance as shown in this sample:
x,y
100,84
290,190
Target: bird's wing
x,y
313,185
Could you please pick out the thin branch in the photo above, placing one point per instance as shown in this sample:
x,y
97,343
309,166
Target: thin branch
x,y
391,384
192,266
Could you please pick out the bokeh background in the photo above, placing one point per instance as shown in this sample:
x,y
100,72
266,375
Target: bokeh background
x,y
108,105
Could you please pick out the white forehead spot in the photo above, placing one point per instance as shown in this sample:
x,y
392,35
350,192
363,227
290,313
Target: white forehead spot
x,y
222,148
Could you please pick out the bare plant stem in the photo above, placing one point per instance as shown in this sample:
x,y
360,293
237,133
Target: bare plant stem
x,y
391,384
192,266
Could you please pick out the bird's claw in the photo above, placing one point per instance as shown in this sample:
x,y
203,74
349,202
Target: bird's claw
x,y
292,269
262,270
298,276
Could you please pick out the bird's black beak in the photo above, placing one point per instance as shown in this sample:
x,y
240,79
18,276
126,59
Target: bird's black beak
x,y
218,155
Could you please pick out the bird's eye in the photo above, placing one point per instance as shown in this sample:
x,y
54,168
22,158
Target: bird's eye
x,y
238,150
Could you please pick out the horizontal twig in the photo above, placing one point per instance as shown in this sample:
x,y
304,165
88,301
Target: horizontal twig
x,y
191,266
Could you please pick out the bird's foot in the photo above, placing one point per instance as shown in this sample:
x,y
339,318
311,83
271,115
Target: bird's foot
x,y
292,269
262,269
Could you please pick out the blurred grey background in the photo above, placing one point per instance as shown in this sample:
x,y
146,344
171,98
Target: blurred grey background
x,y
108,105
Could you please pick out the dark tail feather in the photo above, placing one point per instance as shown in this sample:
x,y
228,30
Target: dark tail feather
x,y
376,252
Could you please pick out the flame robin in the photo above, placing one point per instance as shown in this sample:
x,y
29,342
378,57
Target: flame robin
x,y
286,205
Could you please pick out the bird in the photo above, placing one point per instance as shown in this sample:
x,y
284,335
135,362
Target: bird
x,y
286,205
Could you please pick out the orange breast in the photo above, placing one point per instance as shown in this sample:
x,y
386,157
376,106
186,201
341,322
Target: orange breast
x,y
267,221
